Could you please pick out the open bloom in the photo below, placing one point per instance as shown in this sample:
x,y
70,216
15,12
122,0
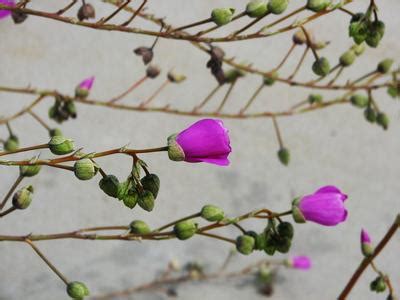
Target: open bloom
x,y
300,262
206,140
82,90
325,207
5,13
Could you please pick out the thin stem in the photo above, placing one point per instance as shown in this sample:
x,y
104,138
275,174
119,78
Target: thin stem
x,y
240,228
155,94
252,23
37,118
37,147
221,106
309,42
130,89
284,18
336,76
103,21
10,132
252,98
206,99
177,221
205,21
203,32
278,133
363,77
346,11
7,211
286,56
63,10
218,237
11,191
296,70
135,14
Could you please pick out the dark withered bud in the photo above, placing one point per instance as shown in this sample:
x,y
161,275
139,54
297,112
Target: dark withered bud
x,y
146,53
152,71
18,17
215,64
86,12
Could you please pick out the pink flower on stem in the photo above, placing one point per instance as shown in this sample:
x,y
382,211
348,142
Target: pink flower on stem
x,y
325,207
82,90
205,141
3,12
366,244
300,262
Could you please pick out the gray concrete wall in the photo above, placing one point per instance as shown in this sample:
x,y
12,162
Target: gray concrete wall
x,y
334,146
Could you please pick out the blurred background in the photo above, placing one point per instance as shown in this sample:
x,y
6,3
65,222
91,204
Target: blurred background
x,y
331,146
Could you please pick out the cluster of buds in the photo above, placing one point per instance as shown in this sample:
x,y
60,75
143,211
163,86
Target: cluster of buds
x,y
362,28
62,110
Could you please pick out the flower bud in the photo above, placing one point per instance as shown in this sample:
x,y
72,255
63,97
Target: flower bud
x,y
299,262
60,145
185,229
358,28
151,183
347,58
212,213
152,71
55,132
29,171
259,239
378,285
139,227
375,33
321,67
277,6
366,246
70,108
315,98
284,156
358,49
359,100
370,114
18,17
300,38
270,78
23,198
84,87
109,185
146,200
256,8
318,5
285,229
283,244
77,290
131,198
146,53
245,244
383,120
175,77
384,66
86,11
233,74
222,16
12,143
85,169
270,244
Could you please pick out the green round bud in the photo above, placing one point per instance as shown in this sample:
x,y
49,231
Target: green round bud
x,y
139,227
373,39
379,27
370,115
284,156
321,66
233,75
347,58
283,244
12,143
23,198
55,132
151,182
131,198
85,169
29,171
315,98
270,244
175,151
212,213
367,249
222,16
60,145
185,229
318,5
285,229
383,120
358,49
146,200
77,290
359,100
70,108
257,8
245,244
270,78
384,66
259,239
109,185
277,6
359,28
378,284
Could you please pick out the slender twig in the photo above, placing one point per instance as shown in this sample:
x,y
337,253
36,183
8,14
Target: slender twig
x,y
286,57
207,98
40,120
129,90
221,106
11,191
278,132
137,12
155,94
63,10
297,69
252,98
177,221
105,20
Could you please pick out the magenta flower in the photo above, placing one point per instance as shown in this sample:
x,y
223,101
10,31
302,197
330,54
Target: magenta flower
x,y
366,243
365,239
3,12
82,90
300,262
205,141
325,207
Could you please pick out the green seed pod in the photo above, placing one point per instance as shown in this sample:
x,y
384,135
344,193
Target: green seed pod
x,y
131,198
124,188
284,156
60,145
283,244
373,39
139,227
70,108
245,244
29,171
185,229
85,169
270,78
359,28
315,98
370,115
383,120
270,244
277,6
232,75
12,143
146,200
358,100
379,27
385,65
109,185
151,182
23,198
358,49
212,213
55,132
222,16
318,5
321,67
259,239
347,58
378,285
285,229
77,290
257,8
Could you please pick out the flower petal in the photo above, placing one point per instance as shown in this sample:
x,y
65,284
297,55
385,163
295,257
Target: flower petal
x,y
5,13
331,189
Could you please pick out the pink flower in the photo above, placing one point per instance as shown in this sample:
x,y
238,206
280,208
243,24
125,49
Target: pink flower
x,y
205,141
82,90
366,245
300,262
325,207
365,239
3,12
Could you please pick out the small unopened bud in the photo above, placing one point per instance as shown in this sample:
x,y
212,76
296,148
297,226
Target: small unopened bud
x,y
152,71
257,8
109,185
29,171
55,132
151,182
384,66
146,200
347,58
315,98
375,34
370,114
318,5
378,285
321,66
233,74
222,16
358,49
245,244
383,120
212,213
86,11
285,229
12,143
77,290
60,145
85,169
359,100
131,198
284,156
18,17
139,227
366,245
146,53
23,198
283,244
270,78
277,6
300,38
175,77
185,229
